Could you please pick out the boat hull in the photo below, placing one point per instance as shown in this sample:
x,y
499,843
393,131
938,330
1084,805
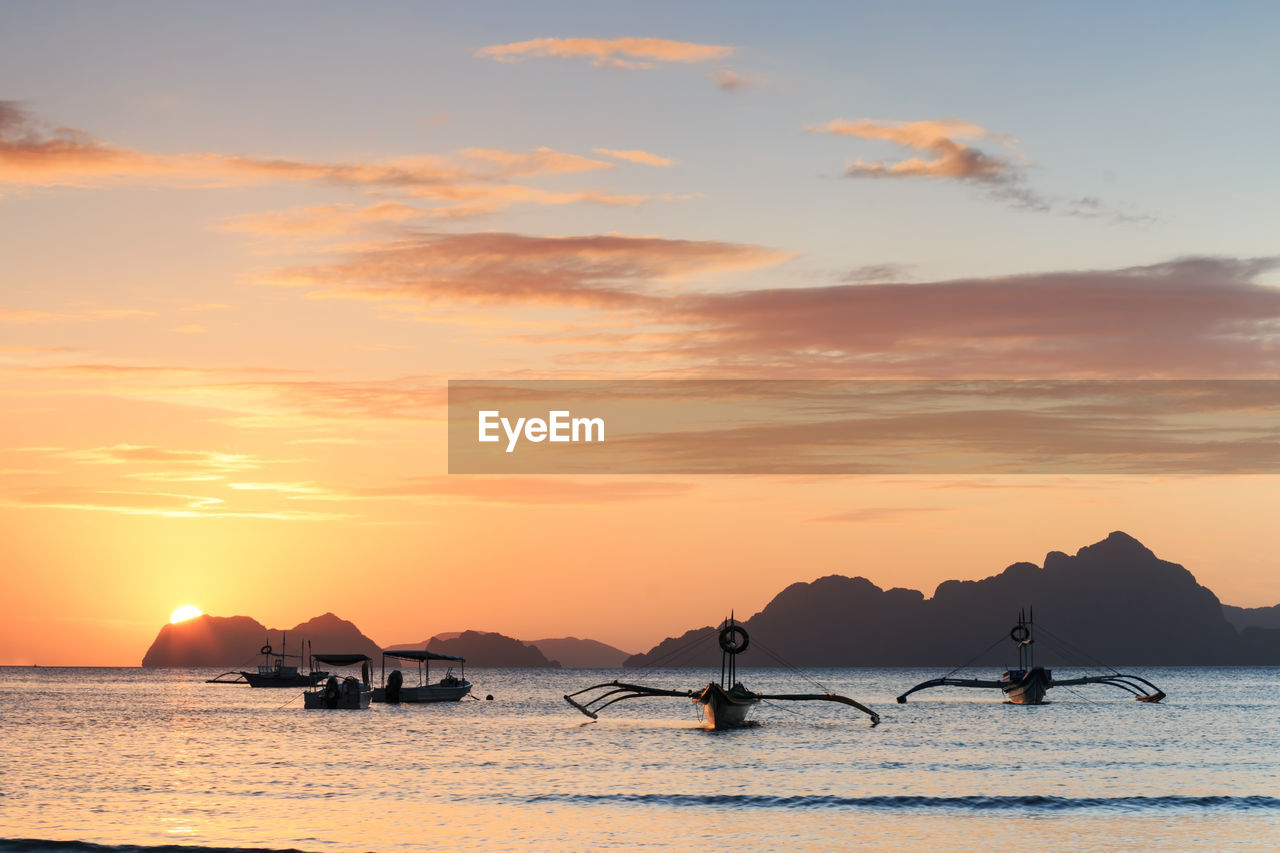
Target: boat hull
x,y
343,700
726,709
1026,687
427,693
297,679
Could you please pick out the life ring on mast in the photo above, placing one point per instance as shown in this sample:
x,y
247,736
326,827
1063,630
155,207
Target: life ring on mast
x,y
1020,633
728,641
265,650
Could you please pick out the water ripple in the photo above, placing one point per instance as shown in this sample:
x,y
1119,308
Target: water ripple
x,y
971,803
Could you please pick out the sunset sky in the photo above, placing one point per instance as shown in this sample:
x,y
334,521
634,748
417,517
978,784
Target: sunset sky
x,y
244,248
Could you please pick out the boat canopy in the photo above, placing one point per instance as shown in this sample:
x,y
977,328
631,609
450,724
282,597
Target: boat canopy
x,y
420,655
342,660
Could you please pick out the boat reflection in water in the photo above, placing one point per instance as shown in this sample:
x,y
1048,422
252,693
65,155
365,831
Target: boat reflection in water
x,y
725,704
1027,683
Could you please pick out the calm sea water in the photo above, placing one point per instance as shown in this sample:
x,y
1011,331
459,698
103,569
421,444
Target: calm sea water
x,y
125,757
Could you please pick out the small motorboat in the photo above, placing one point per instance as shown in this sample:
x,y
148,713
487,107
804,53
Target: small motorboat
x,y
450,687
1026,684
725,704
348,693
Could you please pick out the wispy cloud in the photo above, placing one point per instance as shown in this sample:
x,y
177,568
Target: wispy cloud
x,y
1002,175
1187,318
17,316
950,158
156,504
1193,317
530,490
731,81
878,513
601,270
627,53
644,158
35,154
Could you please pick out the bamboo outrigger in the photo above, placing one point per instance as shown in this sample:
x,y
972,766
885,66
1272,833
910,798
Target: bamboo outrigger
x,y
1027,684
725,705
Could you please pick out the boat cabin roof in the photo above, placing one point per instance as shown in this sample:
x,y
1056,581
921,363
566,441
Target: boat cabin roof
x,y
342,660
420,655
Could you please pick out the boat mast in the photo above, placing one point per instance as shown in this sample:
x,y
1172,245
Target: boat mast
x,y
1026,655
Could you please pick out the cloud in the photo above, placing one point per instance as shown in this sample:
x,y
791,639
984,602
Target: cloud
x,y
599,270
33,154
627,53
951,158
530,490
156,504
644,158
541,161
878,513
322,219
91,315
1197,317
1192,317
731,81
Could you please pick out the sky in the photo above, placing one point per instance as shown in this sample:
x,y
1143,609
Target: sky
x,y
245,248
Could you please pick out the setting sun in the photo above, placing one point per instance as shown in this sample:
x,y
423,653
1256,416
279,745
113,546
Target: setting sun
x,y
185,612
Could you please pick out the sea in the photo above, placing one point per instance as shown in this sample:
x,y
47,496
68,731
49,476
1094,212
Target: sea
x,y
156,759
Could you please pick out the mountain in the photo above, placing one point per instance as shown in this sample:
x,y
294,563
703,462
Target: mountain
x,y
234,641
1113,601
1256,617
481,648
586,654
327,633
207,641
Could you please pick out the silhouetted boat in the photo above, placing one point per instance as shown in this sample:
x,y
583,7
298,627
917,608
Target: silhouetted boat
x,y
273,672
349,693
450,687
725,705
1027,683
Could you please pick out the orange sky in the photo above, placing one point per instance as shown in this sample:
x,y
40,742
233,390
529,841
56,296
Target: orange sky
x,y
233,293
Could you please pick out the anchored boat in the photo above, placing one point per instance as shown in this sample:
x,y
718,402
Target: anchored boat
x,y
349,693
725,705
273,671
1027,683
450,687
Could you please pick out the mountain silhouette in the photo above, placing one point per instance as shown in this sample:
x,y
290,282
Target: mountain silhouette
x,y
482,648
1114,601
1255,617
235,640
586,654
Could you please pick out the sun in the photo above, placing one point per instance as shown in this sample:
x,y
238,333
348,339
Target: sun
x,y
185,612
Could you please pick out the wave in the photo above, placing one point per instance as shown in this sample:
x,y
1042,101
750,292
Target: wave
x,y
972,803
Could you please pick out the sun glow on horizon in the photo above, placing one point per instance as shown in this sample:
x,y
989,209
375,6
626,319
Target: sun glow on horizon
x,y
185,612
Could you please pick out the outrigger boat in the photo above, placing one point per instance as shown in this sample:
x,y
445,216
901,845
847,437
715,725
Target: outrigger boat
x,y
1027,683
273,671
725,705
450,688
350,693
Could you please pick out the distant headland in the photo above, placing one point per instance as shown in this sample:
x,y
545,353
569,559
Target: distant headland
x,y
1113,600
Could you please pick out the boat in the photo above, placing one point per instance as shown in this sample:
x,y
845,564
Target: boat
x,y
725,705
273,671
450,687
349,693
1027,684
